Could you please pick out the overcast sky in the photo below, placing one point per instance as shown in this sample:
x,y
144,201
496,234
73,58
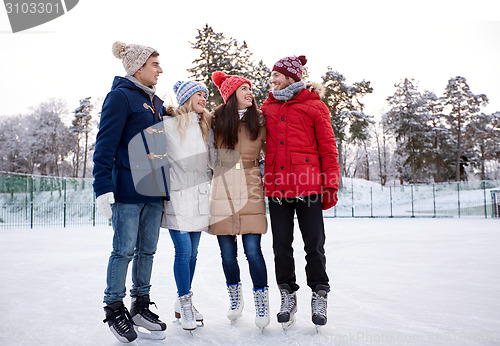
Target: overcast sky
x,y
380,41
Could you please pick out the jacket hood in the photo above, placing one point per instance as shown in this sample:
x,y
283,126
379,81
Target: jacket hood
x,y
169,110
122,82
317,88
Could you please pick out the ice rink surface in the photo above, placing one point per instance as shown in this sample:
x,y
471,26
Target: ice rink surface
x,y
394,282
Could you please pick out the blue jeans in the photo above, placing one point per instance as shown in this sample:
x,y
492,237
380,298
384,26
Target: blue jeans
x,y
229,252
136,230
186,251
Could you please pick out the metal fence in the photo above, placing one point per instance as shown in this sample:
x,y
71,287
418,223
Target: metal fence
x,y
28,202
456,200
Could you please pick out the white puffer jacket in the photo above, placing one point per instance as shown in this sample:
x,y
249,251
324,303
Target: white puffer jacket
x,y
188,208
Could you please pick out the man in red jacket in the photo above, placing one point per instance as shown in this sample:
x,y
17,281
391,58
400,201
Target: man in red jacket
x,y
301,176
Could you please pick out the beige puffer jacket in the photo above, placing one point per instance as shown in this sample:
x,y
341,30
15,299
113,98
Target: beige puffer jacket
x,y
237,204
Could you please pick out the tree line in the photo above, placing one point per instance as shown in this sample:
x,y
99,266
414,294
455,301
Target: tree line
x,y
421,138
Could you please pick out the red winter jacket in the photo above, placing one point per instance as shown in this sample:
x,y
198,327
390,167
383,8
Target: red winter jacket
x,y
301,153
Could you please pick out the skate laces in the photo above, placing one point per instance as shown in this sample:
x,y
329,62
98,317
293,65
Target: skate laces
x,y
187,307
319,304
120,320
148,314
234,296
287,301
261,304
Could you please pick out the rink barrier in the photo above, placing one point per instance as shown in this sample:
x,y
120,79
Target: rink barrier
x,y
40,201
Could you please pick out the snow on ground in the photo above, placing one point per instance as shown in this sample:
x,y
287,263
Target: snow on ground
x,y
395,282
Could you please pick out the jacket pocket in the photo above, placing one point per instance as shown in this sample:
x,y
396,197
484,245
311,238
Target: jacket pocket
x,y
203,199
305,169
125,183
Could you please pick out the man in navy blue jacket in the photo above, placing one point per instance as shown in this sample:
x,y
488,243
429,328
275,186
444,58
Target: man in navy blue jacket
x,y
131,108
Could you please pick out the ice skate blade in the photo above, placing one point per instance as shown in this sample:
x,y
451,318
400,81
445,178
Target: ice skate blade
x,y
318,328
143,333
178,318
287,325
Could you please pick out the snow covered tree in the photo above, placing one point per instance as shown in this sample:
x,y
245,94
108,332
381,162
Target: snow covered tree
x,y
52,140
213,47
218,53
463,105
81,128
437,154
346,110
380,135
15,142
261,79
407,121
483,133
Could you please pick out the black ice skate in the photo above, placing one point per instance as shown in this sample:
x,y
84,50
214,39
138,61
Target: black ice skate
x,y
120,322
319,301
143,318
286,316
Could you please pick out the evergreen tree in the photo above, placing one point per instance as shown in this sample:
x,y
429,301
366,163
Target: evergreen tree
x,y
483,133
81,127
218,53
261,79
346,109
463,105
406,120
213,47
438,153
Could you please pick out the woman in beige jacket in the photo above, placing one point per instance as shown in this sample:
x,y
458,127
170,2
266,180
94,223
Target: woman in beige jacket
x,y
237,205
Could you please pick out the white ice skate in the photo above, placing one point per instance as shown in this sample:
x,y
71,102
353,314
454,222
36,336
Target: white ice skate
x,y
235,302
197,315
261,298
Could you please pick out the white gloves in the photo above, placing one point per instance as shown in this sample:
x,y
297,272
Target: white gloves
x,y
104,202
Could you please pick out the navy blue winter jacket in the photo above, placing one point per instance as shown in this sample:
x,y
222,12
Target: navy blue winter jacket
x,y
126,112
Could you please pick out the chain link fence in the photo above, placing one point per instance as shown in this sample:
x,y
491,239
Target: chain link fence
x,y
35,201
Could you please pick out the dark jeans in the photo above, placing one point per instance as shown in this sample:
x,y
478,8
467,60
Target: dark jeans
x,y
229,253
310,218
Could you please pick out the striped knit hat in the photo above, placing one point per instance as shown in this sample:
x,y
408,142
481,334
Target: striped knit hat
x,y
184,90
133,56
291,66
227,84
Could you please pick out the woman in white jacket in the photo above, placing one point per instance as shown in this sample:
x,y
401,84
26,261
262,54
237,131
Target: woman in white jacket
x,y
186,214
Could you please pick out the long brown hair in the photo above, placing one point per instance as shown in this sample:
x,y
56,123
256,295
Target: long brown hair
x,y
226,121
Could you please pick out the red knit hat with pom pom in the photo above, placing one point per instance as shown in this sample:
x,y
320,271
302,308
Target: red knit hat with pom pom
x,y
291,66
227,84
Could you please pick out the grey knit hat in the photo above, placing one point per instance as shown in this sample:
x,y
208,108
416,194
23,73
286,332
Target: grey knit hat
x,y
133,56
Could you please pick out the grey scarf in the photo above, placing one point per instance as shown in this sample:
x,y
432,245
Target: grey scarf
x,y
150,91
289,92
